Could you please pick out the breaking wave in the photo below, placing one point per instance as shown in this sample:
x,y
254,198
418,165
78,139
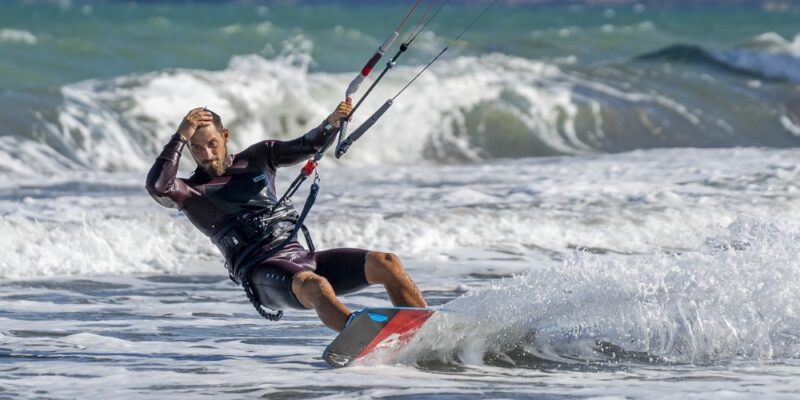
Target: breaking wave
x,y
753,63
466,108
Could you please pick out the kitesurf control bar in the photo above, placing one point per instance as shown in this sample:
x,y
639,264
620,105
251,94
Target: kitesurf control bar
x,y
355,83
352,88
361,130
345,144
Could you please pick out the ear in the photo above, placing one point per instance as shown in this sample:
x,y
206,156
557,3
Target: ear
x,y
225,135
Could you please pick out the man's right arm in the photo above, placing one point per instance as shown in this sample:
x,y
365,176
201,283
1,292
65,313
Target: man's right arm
x,y
162,182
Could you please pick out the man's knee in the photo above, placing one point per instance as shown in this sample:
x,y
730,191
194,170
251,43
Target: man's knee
x,y
382,267
309,287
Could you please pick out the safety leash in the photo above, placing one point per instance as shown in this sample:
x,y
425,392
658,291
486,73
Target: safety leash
x,y
299,225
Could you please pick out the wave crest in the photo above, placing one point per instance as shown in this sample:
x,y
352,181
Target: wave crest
x,y
466,108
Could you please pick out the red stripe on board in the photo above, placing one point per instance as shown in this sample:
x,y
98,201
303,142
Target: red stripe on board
x,y
404,323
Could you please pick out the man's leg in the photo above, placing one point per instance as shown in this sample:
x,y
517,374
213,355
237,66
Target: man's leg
x,y
314,291
386,269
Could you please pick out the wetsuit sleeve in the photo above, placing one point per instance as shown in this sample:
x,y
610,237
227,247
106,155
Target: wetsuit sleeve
x,y
162,183
283,153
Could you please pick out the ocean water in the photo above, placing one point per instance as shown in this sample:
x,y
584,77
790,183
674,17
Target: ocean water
x,y
603,199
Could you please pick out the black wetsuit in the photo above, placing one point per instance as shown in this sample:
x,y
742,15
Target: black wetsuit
x,y
247,188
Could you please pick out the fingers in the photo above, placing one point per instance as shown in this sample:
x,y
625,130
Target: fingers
x,y
196,118
196,111
200,111
344,109
200,116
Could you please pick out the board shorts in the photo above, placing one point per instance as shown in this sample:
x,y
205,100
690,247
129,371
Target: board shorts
x,y
271,279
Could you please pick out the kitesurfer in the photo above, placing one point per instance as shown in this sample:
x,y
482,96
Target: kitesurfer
x,y
232,199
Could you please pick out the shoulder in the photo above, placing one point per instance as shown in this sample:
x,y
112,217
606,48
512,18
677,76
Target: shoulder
x,y
192,181
256,149
197,178
259,152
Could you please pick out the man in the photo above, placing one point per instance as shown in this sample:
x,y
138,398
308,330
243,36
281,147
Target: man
x,y
232,199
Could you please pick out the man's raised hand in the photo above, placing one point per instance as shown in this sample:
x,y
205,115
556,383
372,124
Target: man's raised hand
x,y
196,118
342,111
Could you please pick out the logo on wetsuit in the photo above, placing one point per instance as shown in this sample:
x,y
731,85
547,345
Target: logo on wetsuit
x,y
260,178
275,277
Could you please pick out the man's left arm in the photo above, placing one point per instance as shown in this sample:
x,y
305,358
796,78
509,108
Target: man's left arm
x,y
283,153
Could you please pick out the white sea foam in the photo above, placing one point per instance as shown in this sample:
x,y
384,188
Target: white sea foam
x,y
507,213
791,126
774,42
147,338
8,35
27,158
92,225
152,339
734,298
796,45
771,65
96,244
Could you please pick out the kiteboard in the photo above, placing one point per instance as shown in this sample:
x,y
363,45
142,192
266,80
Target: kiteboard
x,y
386,330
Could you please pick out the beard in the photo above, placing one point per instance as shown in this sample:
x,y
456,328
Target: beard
x,y
214,168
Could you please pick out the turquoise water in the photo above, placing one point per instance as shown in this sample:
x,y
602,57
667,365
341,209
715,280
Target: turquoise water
x,y
106,39
540,79
566,173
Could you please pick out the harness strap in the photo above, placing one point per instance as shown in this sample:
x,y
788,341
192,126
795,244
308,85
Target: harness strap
x,y
247,268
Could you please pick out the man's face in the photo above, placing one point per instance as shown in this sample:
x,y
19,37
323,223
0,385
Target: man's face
x,y
209,149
